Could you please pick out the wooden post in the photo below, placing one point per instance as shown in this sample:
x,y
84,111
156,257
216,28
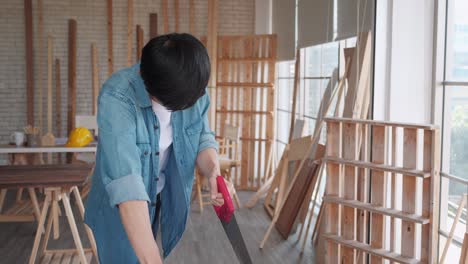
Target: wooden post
x,y
28,26
129,31
165,16
153,25
139,41
58,104
378,187
408,232
49,84
176,15
212,41
71,75
192,17
297,67
110,57
58,98
40,36
95,76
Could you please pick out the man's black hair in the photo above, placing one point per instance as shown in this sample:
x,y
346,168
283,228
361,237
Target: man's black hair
x,y
175,69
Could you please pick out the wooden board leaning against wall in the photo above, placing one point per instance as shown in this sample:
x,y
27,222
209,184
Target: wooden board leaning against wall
x,y
245,98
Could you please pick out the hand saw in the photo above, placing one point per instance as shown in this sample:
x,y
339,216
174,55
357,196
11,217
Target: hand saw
x,y
228,220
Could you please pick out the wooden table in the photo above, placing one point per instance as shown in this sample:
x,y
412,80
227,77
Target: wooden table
x,y
59,182
11,149
28,210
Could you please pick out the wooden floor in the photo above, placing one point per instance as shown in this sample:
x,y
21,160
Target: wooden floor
x,y
204,240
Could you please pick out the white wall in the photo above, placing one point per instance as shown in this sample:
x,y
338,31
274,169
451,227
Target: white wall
x,y
403,72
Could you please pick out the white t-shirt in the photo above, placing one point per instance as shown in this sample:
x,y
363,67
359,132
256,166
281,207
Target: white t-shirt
x,y
165,140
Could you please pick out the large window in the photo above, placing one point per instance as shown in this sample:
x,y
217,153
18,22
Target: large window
x,y
455,127
317,66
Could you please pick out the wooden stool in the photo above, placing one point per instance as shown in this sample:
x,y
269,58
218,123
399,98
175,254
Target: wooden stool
x,y
58,181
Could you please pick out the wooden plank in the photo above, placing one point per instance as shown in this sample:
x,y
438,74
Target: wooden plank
x,y
461,206
176,15
40,73
464,251
49,84
348,224
58,100
382,253
408,232
29,52
359,76
430,195
377,209
246,126
332,187
211,45
153,25
298,191
139,41
382,123
192,16
380,167
164,12
297,67
129,31
110,51
244,85
378,193
95,76
72,27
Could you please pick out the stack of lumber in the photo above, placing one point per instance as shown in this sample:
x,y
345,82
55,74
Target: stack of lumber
x,y
289,192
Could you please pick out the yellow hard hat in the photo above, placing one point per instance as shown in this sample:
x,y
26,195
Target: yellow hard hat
x,y
79,137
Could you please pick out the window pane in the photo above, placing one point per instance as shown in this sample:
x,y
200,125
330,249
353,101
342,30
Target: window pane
x,y
456,134
457,41
285,87
284,122
314,93
286,69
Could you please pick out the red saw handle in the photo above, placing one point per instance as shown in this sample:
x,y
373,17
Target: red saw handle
x,y
225,211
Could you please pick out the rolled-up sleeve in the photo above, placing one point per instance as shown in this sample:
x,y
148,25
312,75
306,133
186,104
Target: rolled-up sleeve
x,y
207,137
119,153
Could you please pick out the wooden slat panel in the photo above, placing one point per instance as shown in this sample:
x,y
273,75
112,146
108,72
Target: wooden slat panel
x,y
246,99
408,232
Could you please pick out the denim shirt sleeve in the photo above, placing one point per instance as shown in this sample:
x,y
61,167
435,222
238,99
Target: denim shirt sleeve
x,y
119,152
207,137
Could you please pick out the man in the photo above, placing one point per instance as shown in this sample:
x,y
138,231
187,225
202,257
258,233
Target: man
x,y
153,129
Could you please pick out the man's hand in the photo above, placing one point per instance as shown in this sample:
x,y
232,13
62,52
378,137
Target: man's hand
x,y
208,165
216,197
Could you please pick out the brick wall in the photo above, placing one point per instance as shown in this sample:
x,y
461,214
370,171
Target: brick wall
x,y
235,17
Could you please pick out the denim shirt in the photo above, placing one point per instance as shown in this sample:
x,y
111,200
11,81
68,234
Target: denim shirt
x,y
127,161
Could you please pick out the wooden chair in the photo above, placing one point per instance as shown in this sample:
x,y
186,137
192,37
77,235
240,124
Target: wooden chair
x,y
59,182
228,161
